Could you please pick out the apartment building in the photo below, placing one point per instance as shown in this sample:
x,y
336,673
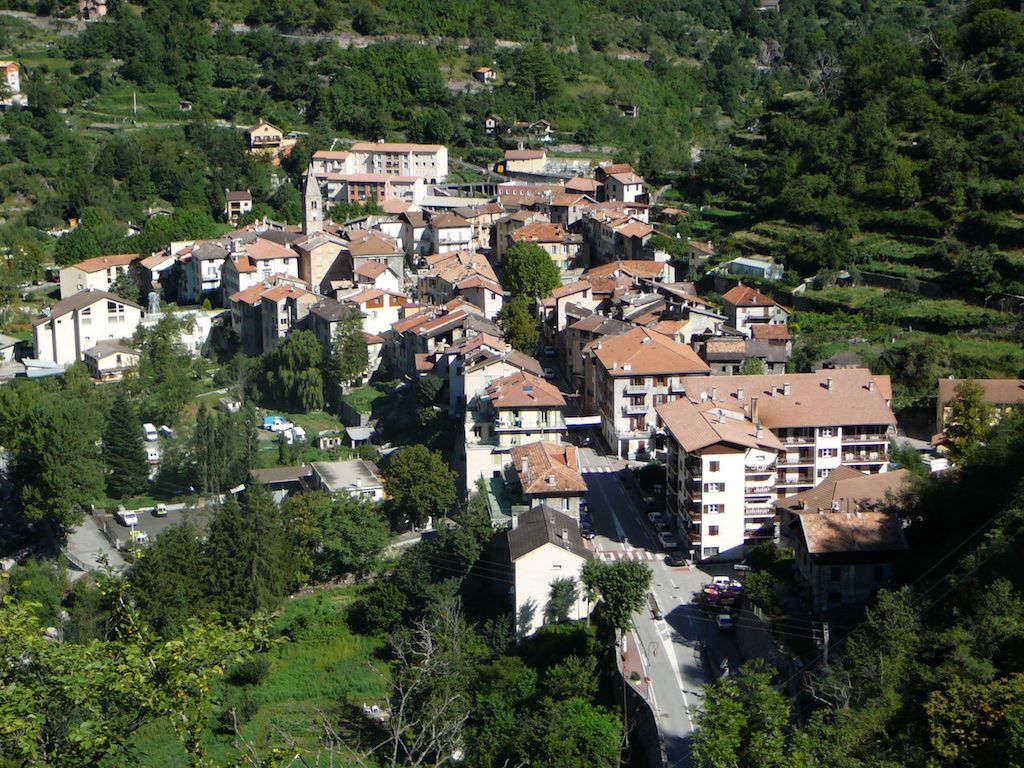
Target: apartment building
x,y
721,470
425,161
746,308
628,376
817,422
98,273
66,330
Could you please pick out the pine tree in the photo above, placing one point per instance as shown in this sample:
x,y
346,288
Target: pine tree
x,y
123,452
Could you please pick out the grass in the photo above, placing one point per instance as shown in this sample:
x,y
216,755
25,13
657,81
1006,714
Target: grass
x,y
363,398
322,670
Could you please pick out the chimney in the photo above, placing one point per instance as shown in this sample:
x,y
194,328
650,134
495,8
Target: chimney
x,y
755,415
785,389
526,465
871,385
739,394
565,534
828,383
551,480
714,394
775,391
757,432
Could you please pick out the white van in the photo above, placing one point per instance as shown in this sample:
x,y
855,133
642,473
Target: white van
x,y
128,517
149,430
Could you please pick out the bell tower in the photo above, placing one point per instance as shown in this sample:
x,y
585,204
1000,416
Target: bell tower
x,y
313,208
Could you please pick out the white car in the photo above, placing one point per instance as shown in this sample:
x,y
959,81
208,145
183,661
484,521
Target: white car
x,y
668,540
281,426
149,430
548,372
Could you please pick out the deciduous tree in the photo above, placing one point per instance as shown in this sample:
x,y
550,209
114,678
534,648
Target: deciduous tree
x,y
518,324
530,272
622,586
969,419
419,483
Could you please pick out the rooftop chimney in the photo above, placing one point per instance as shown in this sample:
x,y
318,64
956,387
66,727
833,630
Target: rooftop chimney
x,y
871,385
828,383
565,534
551,480
785,389
755,415
714,393
739,394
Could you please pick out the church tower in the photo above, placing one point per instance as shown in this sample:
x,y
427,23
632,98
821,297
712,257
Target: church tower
x,y
313,208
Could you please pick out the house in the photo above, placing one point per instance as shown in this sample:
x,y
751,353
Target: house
x,y
357,478
361,246
628,376
565,209
525,160
698,253
564,247
845,542
513,410
506,225
450,232
380,309
726,350
549,474
12,76
762,268
481,218
98,273
544,547
1001,394
580,185
68,328
485,75
844,358
91,10
376,274
625,187
492,124
364,188
282,482
555,308
247,318
237,203
474,362
579,335
109,360
283,307
745,307
487,295
9,347
611,234
156,273
721,470
439,278
326,161
428,162
323,320
263,135
418,341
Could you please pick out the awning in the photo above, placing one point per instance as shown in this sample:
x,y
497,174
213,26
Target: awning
x,y
582,421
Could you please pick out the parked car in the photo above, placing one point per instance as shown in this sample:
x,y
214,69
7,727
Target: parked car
x,y
650,503
548,372
726,623
587,530
656,518
674,560
128,517
149,430
549,351
668,540
160,510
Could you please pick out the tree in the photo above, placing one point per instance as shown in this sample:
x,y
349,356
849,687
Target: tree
x,y
124,285
292,372
169,584
752,366
518,324
123,453
349,357
742,721
970,418
530,272
56,463
622,586
163,379
79,705
419,483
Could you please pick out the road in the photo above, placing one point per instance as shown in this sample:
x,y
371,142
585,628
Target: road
x,y
672,649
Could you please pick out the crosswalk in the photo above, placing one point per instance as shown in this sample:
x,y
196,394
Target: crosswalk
x,y
605,470
611,555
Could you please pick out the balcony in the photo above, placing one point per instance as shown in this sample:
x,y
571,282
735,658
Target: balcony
x,y
636,389
758,513
676,387
864,457
634,410
508,423
759,490
796,460
799,439
792,481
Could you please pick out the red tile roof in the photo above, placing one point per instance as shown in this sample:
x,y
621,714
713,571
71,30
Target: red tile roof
x,y
550,469
642,352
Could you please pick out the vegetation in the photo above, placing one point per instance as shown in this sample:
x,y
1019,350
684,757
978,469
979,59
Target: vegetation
x,y
530,272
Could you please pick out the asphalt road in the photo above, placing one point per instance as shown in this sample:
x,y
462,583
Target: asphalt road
x,y
678,651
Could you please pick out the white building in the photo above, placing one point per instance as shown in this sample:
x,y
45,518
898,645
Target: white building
x,y
745,308
544,547
98,273
12,73
355,477
71,326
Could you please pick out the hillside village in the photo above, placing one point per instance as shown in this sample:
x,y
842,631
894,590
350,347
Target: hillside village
x,y
400,420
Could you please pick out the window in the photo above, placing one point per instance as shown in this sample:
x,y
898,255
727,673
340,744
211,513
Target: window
x,y
710,551
834,574
714,487
828,453
714,509
823,473
826,432
661,381
878,574
636,381
714,466
712,530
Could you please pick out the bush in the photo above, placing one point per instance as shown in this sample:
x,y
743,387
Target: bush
x,y
252,671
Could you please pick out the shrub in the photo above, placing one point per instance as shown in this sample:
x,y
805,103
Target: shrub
x,y
251,671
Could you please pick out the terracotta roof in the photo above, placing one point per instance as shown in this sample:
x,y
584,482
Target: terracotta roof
x,y
997,391
448,221
847,487
858,397
424,362
264,248
407,323
373,244
582,184
550,469
613,168
773,331
634,228
744,295
568,199
544,232
237,195
262,124
372,269
284,291
629,177
524,390
478,281
641,351
242,263
369,294
525,154
99,263
545,525
151,262
78,301
699,424
251,295
370,146
327,154
842,532
580,286
631,267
